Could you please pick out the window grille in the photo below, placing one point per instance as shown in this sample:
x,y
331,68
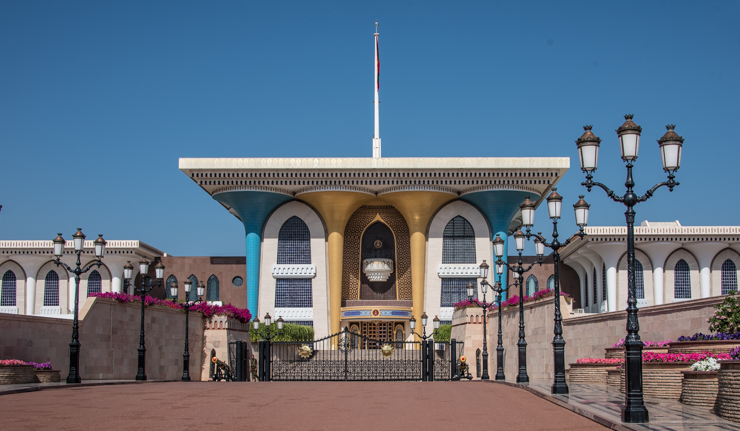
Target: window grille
x,y
585,290
51,289
458,242
596,290
212,289
7,292
94,283
293,292
681,280
445,322
456,289
237,281
532,285
603,282
729,277
294,242
639,280
551,282
193,289
170,280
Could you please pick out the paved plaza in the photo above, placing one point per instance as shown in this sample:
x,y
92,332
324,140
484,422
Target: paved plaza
x,y
287,406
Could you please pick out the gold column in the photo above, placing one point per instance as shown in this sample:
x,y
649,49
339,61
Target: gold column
x,y
417,208
335,208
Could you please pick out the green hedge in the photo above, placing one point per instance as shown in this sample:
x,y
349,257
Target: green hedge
x,y
290,332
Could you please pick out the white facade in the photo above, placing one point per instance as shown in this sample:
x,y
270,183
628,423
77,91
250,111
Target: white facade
x,y
688,257
32,261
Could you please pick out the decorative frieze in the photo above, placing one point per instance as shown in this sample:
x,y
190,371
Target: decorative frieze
x,y
458,270
293,314
294,271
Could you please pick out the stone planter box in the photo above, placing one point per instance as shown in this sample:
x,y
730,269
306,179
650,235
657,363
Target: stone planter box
x,y
728,394
588,373
613,377
618,352
699,388
660,379
17,374
47,376
711,346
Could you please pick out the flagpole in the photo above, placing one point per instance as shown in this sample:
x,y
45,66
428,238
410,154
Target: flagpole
x,y
376,67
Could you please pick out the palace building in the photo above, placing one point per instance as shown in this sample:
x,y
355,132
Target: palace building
x,y
369,243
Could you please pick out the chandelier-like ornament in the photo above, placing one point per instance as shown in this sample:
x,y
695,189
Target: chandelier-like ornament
x,y
377,269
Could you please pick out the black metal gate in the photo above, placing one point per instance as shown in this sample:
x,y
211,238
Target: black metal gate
x,y
239,360
350,356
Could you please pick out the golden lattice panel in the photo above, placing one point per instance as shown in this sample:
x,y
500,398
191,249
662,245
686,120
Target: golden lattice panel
x,y
356,225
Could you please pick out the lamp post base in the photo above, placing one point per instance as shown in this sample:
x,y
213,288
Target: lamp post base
x,y
635,414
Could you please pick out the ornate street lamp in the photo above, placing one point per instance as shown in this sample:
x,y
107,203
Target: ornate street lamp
x,y
518,272
424,320
268,335
633,410
79,242
186,306
146,286
554,206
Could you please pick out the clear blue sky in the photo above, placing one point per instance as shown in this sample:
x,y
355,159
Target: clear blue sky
x,y
98,100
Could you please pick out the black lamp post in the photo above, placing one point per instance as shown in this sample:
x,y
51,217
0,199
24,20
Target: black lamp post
x,y
146,286
486,307
554,206
424,320
186,305
268,335
633,410
79,242
518,273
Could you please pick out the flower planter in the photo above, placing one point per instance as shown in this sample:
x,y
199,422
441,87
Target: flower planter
x,y
711,346
660,379
618,352
47,376
17,374
588,373
728,392
699,388
612,377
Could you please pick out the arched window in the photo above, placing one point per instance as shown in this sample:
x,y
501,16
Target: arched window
x,y
7,290
294,248
596,289
455,290
585,290
551,282
51,289
294,242
681,280
212,289
458,242
193,289
532,285
458,246
170,280
603,281
94,283
729,277
639,280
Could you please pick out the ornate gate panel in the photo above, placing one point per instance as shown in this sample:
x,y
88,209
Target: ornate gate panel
x,y
346,356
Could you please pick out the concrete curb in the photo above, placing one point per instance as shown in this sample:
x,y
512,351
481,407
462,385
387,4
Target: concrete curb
x,y
601,420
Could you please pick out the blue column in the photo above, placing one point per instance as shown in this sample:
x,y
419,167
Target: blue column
x,y
504,278
253,208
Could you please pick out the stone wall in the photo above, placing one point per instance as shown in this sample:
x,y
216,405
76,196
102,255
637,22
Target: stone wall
x,y
219,332
586,336
109,335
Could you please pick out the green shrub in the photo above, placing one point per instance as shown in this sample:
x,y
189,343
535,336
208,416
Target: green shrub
x,y
726,316
443,333
290,332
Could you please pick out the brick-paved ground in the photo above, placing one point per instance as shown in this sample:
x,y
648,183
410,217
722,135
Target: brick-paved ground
x,y
287,406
